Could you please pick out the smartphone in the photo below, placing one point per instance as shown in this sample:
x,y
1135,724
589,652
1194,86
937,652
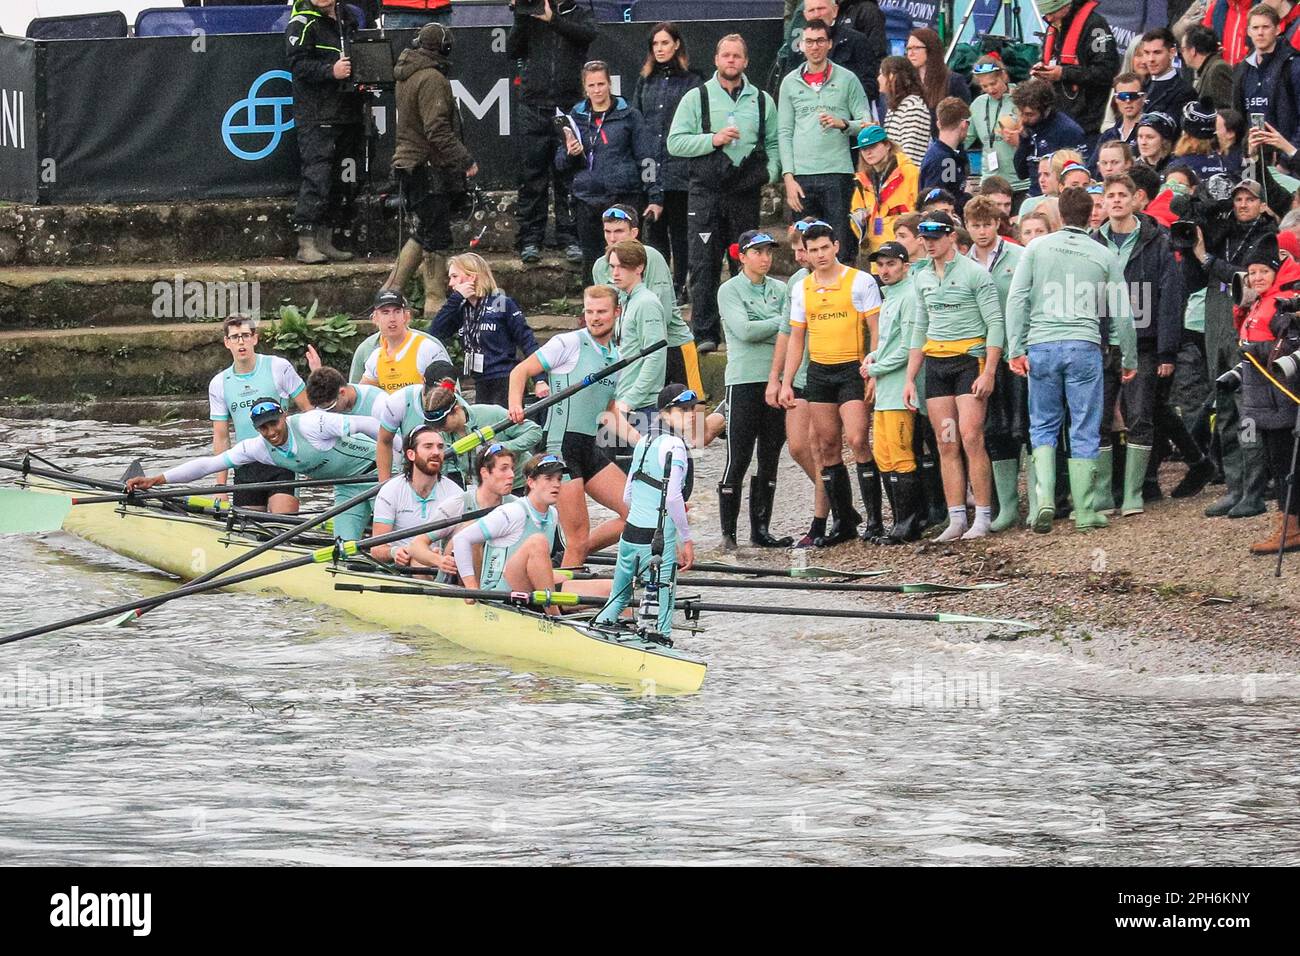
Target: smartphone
x,y
1256,120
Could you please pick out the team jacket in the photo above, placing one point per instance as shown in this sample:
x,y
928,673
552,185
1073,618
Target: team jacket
x,y
313,43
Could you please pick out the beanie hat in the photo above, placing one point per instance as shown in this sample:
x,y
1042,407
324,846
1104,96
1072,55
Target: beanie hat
x,y
1198,119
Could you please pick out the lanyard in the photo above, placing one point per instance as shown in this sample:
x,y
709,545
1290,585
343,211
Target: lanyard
x,y
598,131
470,337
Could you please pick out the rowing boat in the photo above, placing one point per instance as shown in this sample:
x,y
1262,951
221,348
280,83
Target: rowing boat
x,y
187,545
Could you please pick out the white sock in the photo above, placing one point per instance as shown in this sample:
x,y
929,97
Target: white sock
x,y
983,521
956,524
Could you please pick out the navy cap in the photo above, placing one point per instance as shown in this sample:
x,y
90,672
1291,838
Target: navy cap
x,y
890,250
265,410
387,297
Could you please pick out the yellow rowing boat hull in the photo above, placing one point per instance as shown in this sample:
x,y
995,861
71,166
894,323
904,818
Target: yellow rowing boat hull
x,y
189,545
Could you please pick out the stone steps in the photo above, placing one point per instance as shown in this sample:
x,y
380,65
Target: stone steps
x,y
130,360
71,297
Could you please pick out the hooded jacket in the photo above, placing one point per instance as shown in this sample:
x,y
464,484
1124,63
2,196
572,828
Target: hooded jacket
x,y
1155,288
428,118
551,54
656,97
617,147
313,44
1261,401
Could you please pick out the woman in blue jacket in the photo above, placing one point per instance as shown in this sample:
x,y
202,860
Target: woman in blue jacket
x,y
607,142
492,329
665,79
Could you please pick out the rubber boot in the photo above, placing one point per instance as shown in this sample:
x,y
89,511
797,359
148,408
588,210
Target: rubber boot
x,y
435,282
1031,491
932,484
308,252
409,259
873,525
1254,481
1044,478
1103,489
1199,474
1063,503
909,507
728,514
325,243
1135,472
844,520
889,484
762,492
1083,476
1006,477
1286,535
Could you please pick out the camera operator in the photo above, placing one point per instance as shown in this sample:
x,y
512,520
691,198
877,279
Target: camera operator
x,y
550,38
327,115
430,160
1270,336
1224,244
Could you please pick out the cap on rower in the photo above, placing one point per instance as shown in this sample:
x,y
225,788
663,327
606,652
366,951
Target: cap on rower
x,y
755,238
389,297
871,135
890,250
545,465
677,395
265,410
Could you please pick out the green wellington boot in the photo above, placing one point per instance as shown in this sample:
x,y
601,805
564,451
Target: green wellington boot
x,y
1044,478
1083,472
1006,476
1135,471
1103,489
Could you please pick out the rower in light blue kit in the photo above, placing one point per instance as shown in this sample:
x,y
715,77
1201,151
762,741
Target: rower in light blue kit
x,y
658,485
314,444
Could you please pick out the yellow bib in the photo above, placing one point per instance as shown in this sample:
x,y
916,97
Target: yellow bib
x,y
834,322
399,370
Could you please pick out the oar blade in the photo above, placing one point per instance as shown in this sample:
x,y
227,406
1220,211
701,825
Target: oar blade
x,y
925,587
30,512
133,470
834,573
130,617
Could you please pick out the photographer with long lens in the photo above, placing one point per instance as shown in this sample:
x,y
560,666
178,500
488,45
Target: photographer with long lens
x,y
1268,376
1221,229
430,162
550,39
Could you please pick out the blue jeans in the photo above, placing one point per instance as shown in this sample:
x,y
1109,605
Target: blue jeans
x,y
1066,375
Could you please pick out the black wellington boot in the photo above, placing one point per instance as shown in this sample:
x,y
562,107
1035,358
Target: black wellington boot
x,y
729,513
762,492
873,525
909,508
844,519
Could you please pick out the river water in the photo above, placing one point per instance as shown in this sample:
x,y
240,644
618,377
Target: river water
x,y
238,728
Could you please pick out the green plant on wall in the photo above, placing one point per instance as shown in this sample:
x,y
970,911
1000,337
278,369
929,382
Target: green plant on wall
x,y
290,335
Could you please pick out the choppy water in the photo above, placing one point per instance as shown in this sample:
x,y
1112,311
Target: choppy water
x,y
235,728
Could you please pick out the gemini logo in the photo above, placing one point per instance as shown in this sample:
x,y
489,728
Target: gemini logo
x,y
246,119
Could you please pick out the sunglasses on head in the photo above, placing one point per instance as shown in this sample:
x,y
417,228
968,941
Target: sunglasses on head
x,y
805,226
265,408
933,229
440,415
1129,97
759,240
616,213
687,397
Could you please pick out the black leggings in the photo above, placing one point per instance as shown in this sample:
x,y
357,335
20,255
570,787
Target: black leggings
x,y
668,235
1278,446
751,421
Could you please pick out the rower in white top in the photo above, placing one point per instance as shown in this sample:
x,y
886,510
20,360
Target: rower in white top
x,y
496,476
413,497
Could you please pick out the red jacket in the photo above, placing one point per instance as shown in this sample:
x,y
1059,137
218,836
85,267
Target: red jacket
x,y
1252,325
1229,19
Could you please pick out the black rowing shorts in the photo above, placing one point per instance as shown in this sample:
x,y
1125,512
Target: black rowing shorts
x,y
951,376
834,384
254,474
584,456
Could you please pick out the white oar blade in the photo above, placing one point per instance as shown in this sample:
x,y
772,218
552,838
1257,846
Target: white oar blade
x,y
834,573
29,512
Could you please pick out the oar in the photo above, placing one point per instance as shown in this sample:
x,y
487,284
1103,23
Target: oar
x,y
516,598
26,468
721,568
480,435
24,511
920,587
693,608
282,538
342,549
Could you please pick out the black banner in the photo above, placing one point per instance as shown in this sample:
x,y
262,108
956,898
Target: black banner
x,y
167,118
20,165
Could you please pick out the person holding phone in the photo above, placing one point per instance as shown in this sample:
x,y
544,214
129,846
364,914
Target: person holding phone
x,y
1266,84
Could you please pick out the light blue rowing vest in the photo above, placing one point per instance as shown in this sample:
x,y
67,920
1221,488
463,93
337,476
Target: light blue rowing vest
x,y
580,415
495,556
242,391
